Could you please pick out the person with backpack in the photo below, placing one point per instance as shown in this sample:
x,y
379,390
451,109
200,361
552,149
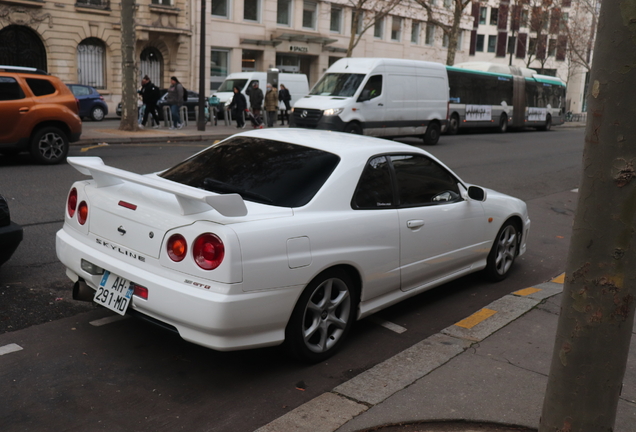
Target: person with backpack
x,y
150,95
175,99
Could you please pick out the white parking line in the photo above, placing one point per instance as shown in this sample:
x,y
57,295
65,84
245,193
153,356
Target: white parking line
x,y
387,324
107,320
575,190
9,349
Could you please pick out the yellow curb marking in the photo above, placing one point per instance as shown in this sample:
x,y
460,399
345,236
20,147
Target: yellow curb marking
x,y
476,318
527,291
559,279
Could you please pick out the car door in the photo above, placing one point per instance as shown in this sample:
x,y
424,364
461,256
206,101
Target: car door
x,y
15,107
441,233
371,104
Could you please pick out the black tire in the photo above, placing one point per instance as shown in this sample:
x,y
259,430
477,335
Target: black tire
x,y
353,128
503,123
503,252
322,317
433,131
548,124
49,146
453,125
98,113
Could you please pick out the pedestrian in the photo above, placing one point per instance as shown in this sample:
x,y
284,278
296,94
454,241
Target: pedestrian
x,y
271,104
238,106
175,100
256,100
150,95
285,98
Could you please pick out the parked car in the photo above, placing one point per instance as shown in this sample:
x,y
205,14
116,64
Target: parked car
x,y
281,236
91,103
10,232
38,114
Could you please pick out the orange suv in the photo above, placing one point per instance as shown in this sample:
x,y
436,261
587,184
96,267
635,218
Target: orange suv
x,y
38,114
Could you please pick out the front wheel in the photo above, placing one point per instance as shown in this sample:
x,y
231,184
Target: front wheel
x,y
433,131
97,113
453,125
353,128
322,317
49,146
503,253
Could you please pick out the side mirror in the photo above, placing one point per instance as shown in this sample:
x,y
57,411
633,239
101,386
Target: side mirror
x,y
476,193
365,95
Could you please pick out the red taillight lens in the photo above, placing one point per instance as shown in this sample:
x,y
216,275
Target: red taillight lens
x,y
82,213
71,203
177,247
140,291
208,251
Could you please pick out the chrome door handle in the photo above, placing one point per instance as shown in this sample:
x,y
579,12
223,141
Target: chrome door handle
x,y
416,223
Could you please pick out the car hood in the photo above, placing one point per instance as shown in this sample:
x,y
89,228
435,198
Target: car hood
x,y
321,102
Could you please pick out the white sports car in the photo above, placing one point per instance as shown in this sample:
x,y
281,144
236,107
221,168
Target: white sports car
x,y
281,235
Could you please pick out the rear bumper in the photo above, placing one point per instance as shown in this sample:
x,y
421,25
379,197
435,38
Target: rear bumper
x,y
221,317
10,238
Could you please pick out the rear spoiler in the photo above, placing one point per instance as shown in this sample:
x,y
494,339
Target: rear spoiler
x,y
191,200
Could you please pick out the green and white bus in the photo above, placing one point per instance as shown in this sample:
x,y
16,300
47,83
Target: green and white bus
x,y
490,95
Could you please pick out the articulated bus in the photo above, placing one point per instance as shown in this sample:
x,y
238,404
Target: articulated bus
x,y
500,96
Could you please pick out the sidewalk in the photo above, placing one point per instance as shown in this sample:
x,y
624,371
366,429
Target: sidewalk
x,y
485,373
107,131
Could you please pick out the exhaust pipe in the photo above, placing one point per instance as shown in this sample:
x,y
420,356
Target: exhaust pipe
x,y
82,292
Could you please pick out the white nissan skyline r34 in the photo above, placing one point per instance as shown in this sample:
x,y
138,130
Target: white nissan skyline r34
x,y
281,235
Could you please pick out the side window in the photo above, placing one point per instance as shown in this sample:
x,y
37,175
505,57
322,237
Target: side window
x,y
10,89
421,181
40,87
373,88
374,188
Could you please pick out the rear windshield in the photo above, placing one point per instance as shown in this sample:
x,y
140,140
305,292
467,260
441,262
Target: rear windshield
x,y
337,84
260,170
228,85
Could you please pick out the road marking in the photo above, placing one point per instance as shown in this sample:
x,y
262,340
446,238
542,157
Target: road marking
x,y
527,291
387,324
476,318
107,320
10,348
559,279
575,190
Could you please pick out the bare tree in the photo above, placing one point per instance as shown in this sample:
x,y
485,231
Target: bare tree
x,y
581,32
597,310
366,14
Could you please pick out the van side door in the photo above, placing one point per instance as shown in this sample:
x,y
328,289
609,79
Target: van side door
x,y
371,105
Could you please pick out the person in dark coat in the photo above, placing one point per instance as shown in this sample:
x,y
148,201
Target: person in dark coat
x,y
285,98
238,106
256,100
175,100
150,94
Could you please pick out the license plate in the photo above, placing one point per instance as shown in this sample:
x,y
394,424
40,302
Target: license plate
x,y
114,292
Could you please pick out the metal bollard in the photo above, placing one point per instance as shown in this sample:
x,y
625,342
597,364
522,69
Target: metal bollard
x,y
183,112
167,116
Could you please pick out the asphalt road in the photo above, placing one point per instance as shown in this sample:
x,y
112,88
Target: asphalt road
x,y
126,375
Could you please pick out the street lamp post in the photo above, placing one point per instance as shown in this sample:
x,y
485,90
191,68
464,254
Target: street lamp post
x,y
201,121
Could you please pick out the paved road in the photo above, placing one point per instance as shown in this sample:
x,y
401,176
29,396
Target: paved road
x,y
124,375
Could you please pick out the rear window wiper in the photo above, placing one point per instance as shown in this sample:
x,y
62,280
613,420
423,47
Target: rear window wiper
x,y
220,187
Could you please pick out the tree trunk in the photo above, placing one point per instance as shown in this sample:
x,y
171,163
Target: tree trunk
x,y
597,311
129,112
454,32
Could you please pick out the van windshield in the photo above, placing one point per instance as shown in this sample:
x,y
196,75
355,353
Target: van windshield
x,y
228,85
338,84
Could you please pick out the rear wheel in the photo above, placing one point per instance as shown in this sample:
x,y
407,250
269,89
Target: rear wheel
x,y
97,113
503,253
49,146
503,123
453,125
353,128
322,317
433,131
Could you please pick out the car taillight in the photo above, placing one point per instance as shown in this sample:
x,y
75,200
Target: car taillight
x,y
71,202
177,247
101,97
82,213
208,251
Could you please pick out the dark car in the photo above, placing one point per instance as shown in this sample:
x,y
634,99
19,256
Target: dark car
x,y
10,232
91,103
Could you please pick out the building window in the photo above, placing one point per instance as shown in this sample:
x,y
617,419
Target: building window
x,y
396,28
309,15
106,3
552,46
479,46
91,57
157,2
220,8
284,12
152,65
512,43
445,40
335,24
532,46
251,10
219,63
378,28
360,14
415,32
483,12
492,43
430,34
448,3
524,18
494,16
563,24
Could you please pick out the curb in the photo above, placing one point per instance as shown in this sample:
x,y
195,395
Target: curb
x,y
144,140
331,410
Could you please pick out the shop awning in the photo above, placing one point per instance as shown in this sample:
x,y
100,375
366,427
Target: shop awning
x,y
334,49
303,37
260,42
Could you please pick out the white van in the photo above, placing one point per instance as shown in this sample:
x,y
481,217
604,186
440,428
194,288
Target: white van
x,y
378,97
296,84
